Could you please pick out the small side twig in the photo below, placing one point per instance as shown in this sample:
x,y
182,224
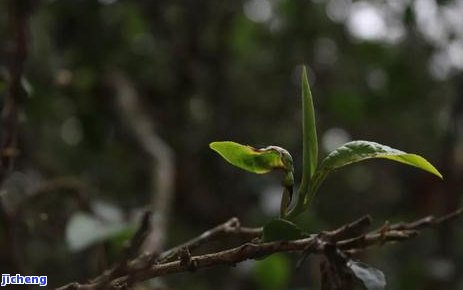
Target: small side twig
x,y
130,249
429,221
232,226
73,186
354,228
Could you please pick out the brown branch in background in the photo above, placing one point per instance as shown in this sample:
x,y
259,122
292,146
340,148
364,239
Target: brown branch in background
x,y
129,251
74,187
162,155
346,238
19,13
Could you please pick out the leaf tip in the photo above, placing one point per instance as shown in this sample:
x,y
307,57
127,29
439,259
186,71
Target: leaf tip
x,y
217,144
438,174
212,145
427,166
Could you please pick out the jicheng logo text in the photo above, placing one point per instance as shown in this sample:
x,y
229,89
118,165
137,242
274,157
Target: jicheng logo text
x,y
18,279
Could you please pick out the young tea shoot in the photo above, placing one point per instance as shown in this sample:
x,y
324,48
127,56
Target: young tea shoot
x,y
267,159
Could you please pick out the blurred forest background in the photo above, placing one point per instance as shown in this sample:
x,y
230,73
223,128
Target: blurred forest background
x,y
120,100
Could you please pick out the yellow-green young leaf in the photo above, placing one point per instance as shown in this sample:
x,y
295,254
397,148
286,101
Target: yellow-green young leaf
x,y
254,160
356,151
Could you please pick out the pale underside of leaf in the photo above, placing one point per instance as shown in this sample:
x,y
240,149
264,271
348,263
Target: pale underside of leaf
x,y
371,278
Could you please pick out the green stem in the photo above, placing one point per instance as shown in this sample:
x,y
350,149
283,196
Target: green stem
x,y
295,211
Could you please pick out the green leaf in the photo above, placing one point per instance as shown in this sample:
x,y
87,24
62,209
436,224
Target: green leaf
x,y
356,151
281,229
371,278
273,273
117,242
254,160
309,133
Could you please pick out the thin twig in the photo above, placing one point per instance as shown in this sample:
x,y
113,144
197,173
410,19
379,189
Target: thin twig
x,y
70,185
232,226
429,221
129,251
354,228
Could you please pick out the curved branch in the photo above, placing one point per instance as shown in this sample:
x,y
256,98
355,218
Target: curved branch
x,y
161,154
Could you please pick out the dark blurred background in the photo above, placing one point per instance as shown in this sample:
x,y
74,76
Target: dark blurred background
x,y
121,99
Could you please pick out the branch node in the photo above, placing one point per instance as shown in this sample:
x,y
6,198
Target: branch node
x,y
186,260
233,225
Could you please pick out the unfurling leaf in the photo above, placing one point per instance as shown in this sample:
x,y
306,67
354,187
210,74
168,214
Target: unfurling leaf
x,y
260,161
371,278
254,160
281,229
356,151
309,136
